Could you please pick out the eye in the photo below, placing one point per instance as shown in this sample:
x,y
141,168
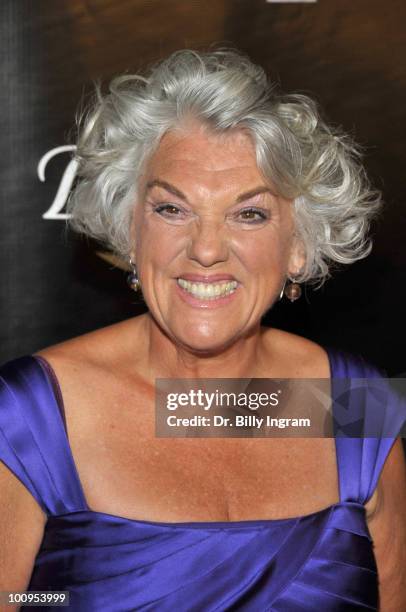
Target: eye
x,y
253,215
168,210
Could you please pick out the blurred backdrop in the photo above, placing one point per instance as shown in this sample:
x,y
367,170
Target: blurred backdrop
x,y
349,55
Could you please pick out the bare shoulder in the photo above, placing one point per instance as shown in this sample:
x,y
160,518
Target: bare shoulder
x,y
92,368
101,349
295,356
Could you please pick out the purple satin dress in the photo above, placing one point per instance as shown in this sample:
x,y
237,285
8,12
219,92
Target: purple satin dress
x,y
322,561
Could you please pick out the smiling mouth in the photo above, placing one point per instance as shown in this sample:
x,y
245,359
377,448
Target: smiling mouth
x,y
208,291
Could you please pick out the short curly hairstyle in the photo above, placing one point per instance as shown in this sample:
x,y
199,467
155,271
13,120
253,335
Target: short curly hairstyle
x,y
317,166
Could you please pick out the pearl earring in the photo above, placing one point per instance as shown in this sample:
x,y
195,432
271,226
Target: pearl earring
x,y
132,278
293,290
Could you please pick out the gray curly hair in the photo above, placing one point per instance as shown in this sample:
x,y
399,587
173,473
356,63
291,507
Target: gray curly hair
x,y
308,161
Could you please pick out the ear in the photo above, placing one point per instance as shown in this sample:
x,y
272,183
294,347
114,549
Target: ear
x,y
297,257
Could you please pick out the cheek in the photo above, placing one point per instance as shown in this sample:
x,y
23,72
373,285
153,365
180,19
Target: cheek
x,y
263,254
156,246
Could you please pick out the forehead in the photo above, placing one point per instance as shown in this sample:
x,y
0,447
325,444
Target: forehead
x,y
195,152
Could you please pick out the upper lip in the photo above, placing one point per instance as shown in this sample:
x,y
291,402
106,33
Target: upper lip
x,y
207,278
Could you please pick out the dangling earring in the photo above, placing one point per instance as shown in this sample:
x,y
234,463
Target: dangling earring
x,y
132,278
293,290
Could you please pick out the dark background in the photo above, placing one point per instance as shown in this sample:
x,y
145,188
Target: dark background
x,y
349,55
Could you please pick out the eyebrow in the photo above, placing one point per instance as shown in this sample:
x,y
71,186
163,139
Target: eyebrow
x,y
167,186
176,192
252,193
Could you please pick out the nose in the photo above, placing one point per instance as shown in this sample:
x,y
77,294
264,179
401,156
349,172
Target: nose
x,y
208,244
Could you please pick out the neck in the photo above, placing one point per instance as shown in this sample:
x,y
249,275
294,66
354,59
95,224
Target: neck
x,y
166,359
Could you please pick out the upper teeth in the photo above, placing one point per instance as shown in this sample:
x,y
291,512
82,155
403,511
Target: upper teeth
x,y
208,290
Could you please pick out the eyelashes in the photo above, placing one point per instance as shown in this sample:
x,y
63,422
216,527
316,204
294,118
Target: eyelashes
x,y
254,215
168,209
251,215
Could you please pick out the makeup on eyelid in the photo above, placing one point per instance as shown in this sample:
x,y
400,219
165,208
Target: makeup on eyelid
x,y
175,214
163,208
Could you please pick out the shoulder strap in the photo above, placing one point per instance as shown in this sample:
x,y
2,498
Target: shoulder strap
x,y
373,410
33,441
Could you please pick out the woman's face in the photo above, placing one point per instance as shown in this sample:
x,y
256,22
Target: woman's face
x,y
213,242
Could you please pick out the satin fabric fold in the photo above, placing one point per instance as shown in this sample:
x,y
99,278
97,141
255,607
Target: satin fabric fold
x,y
321,561
221,566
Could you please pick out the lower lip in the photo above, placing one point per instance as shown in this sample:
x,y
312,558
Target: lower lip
x,y
209,304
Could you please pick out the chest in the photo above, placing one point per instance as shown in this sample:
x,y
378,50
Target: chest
x,y
125,470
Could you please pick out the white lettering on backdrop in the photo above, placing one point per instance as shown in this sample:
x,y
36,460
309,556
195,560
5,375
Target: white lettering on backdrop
x,y
54,211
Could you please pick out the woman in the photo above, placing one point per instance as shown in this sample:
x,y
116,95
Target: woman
x,y
223,196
